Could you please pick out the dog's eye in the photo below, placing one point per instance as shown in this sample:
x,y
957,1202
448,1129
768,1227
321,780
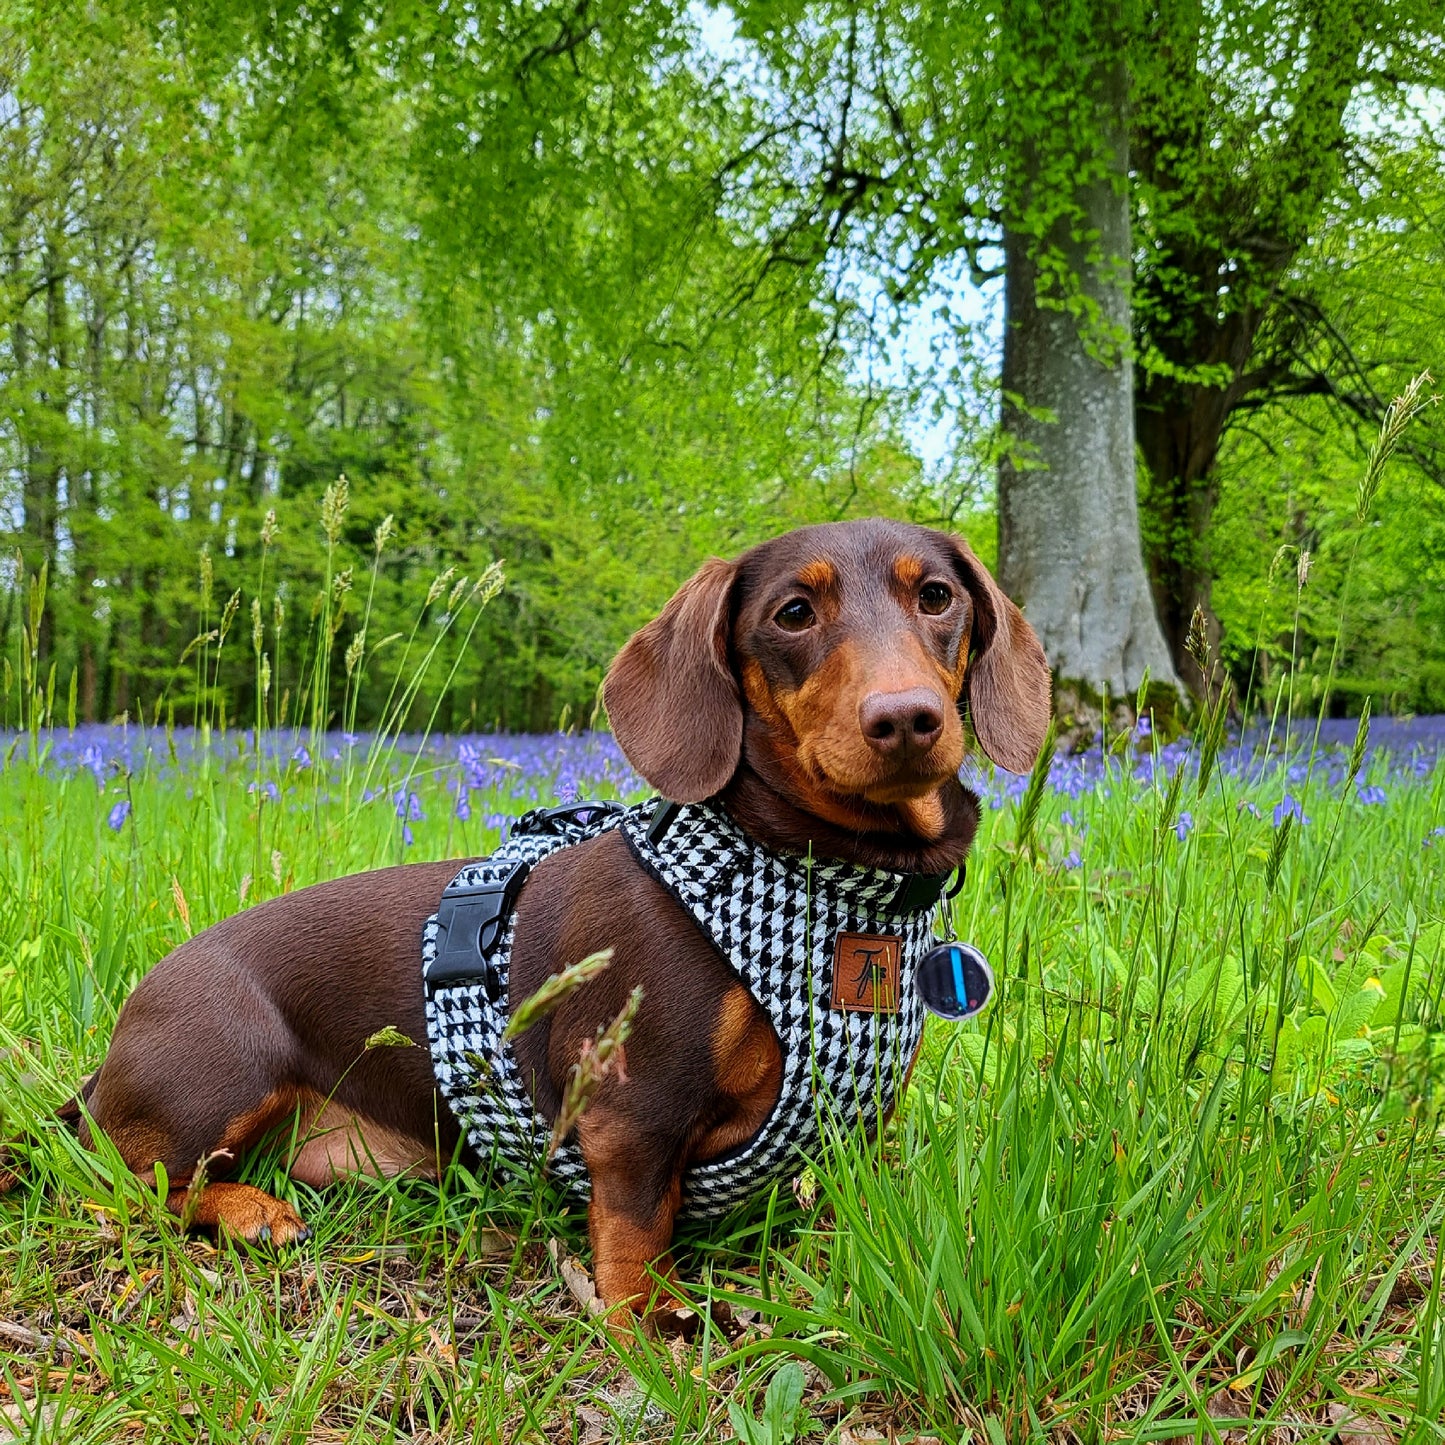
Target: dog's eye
x,y
794,616
934,598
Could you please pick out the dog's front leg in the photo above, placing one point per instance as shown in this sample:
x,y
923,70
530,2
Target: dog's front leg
x,y
636,1175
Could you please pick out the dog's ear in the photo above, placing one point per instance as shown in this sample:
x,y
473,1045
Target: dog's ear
x,y
1007,684
674,704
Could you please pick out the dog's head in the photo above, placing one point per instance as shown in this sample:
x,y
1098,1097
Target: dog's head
x,y
838,660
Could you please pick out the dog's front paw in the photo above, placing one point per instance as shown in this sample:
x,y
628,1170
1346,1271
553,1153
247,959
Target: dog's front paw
x,y
245,1212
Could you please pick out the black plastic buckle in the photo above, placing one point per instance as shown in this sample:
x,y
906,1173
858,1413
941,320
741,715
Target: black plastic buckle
x,y
470,924
920,891
552,822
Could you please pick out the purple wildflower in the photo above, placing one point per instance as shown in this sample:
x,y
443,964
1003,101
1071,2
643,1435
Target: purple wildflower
x,y
408,806
94,759
464,804
1289,807
1371,795
115,820
1072,859
1432,835
1183,826
406,837
1144,727
301,757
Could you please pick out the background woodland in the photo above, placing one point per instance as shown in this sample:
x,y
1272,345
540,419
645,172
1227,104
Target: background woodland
x,y
599,290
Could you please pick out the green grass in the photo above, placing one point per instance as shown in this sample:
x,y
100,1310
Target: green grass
x,y
1188,1169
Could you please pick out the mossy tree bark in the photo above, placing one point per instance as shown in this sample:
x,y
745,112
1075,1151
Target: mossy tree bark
x,y
1069,540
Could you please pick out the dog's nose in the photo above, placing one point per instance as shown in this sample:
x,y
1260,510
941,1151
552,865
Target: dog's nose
x,y
902,723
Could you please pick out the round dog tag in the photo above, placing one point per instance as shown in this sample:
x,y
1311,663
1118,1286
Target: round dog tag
x,y
954,980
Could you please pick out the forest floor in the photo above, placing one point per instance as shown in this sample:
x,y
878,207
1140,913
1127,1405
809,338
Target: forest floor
x,y
1184,1179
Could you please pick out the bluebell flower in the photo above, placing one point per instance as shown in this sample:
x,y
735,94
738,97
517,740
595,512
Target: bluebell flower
x,y
115,820
1432,835
1072,859
1371,795
1183,826
1144,727
464,804
94,759
301,757
408,806
406,837
1289,806
1245,806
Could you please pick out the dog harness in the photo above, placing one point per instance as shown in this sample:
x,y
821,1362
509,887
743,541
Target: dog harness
x,y
828,948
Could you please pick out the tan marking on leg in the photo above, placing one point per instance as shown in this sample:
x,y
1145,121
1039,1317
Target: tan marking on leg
x,y
245,1129
749,1065
333,1142
623,1250
245,1211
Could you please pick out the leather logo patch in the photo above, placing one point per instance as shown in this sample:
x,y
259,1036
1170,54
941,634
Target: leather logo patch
x,y
865,973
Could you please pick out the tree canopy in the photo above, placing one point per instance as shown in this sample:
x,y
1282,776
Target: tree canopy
x,y
570,286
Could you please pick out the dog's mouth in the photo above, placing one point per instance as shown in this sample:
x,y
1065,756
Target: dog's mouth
x,y
881,788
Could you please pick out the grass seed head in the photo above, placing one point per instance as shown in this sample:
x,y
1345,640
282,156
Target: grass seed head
x,y
1275,861
600,1059
334,506
559,986
1360,744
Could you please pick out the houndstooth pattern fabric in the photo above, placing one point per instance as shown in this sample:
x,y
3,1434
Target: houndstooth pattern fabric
x,y
475,1069
776,920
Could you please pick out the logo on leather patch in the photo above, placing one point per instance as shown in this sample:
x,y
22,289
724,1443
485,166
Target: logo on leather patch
x,y
865,973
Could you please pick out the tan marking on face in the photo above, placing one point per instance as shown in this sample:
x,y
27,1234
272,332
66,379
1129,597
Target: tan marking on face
x,y
960,670
909,572
823,714
760,695
817,576
924,815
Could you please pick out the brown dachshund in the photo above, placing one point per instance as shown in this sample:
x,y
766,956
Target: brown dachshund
x,y
815,686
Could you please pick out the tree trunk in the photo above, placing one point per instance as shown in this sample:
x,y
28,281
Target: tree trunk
x,y
1069,544
1180,429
